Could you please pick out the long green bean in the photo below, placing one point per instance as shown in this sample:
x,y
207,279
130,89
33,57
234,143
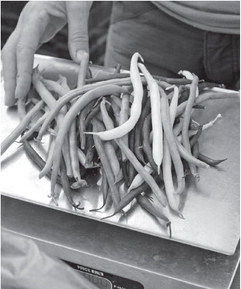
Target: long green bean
x,y
76,93
136,107
70,116
157,140
172,142
6,143
146,142
187,119
132,158
106,165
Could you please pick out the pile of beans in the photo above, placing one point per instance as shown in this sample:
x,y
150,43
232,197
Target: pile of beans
x,y
135,129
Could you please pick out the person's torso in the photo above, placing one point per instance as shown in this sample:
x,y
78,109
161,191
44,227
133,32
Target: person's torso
x,y
214,16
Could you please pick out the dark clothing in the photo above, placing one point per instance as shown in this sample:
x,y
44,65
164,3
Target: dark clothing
x,y
214,16
169,45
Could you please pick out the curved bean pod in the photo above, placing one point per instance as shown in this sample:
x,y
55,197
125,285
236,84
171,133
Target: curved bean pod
x,y
34,128
195,138
124,114
157,141
82,125
127,198
106,164
36,158
138,180
134,161
211,162
173,105
189,157
49,99
171,142
75,93
20,127
135,112
70,116
48,163
114,163
147,205
146,141
187,120
173,199
206,96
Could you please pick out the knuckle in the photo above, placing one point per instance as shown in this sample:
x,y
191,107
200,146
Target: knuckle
x,y
24,75
42,15
78,36
34,10
23,83
24,48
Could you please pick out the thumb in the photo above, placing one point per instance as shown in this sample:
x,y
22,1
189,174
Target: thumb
x,y
78,39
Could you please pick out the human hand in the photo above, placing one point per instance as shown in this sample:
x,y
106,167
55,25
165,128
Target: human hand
x,y
37,24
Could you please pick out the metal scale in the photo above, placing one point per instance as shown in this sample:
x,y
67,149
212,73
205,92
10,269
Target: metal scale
x,y
134,253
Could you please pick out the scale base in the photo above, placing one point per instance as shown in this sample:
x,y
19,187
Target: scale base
x,y
131,257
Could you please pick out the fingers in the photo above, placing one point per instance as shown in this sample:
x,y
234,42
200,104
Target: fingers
x,y
27,45
18,54
24,68
9,63
78,39
37,23
9,68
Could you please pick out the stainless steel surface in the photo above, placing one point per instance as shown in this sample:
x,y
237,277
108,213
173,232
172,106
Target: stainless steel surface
x,y
211,208
154,262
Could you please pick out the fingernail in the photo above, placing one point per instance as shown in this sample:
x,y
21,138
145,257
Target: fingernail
x,y
22,88
9,101
80,54
18,93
